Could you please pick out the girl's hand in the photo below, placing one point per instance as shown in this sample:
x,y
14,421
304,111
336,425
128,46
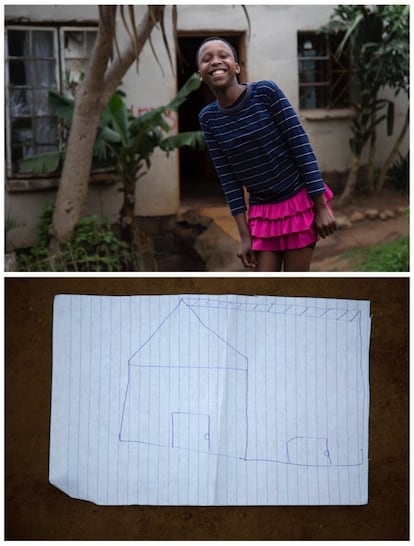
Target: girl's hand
x,y
246,254
324,219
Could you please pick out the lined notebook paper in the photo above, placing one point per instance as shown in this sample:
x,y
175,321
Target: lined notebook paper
x,y
210,400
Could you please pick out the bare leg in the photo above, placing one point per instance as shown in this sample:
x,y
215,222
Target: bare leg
x,y
269,261
298,259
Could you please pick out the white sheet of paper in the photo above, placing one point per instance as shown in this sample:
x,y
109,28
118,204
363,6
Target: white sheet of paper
x,y
210,400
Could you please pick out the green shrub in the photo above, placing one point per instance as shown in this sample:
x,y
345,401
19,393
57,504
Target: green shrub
x,y
390,257
93,248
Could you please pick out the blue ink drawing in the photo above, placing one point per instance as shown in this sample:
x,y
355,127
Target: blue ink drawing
x,y
181,389
196,390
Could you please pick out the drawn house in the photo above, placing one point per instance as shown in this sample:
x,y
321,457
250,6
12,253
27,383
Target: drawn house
x,y
202,393
194,389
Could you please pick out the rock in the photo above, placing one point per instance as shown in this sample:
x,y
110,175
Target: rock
x,y
343,222
386,214
372,214
10,262
192,218
357,216
218,250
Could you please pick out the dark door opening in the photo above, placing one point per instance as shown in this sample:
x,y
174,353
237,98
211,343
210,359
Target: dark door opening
x,y
198,180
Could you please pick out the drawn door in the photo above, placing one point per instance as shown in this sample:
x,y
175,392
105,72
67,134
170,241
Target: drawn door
x,y
191,431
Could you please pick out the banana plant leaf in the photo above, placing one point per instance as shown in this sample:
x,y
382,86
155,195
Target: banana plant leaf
x,y
109,135
139,136
117,113
192,84
193,139
41,163
62,106
150,119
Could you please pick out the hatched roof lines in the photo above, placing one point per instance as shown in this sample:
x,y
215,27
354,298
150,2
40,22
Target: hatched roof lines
x,y
330,313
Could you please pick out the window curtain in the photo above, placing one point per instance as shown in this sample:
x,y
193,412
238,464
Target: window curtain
x,y
40,65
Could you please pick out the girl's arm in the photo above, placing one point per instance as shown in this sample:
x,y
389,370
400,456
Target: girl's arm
x,y
234,196
294,135
296,138
233,190
246,254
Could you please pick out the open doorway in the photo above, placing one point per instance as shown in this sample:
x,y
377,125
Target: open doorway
x,y
198,180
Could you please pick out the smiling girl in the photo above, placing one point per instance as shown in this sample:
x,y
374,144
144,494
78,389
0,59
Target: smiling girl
x,y
256,141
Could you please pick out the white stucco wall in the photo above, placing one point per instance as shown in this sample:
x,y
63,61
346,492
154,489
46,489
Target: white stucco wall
x,y
157,192
271,54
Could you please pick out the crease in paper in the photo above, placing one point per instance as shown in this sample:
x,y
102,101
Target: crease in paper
x,y
210,400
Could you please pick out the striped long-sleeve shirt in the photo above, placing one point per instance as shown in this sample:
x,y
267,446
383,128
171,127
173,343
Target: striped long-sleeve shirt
x,y
260,143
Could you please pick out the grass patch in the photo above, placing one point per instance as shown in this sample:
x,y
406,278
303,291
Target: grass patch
x,y
391,257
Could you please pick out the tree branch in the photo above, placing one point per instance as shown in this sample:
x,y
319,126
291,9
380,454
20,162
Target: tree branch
x,y
393,154
102,49
117,69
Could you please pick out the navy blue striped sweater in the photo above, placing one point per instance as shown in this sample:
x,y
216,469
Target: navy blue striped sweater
x,y
260,143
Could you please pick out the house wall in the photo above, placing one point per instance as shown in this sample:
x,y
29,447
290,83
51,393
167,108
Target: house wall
x,y
302,433
195,397
304,436
271,54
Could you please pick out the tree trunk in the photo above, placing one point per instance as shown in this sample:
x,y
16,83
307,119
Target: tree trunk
x,y
371,157
101,81
127,212
73,185
392,155
350,185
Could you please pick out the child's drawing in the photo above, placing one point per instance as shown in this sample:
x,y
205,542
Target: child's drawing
x,y
194,394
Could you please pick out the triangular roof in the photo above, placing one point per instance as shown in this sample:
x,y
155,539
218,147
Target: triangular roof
x,y
183,340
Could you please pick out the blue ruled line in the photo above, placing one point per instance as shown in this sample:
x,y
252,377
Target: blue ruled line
x,y
69,395
109,391
79,395
89,394
99,402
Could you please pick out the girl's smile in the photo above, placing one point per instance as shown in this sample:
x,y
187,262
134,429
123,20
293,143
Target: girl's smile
x,y
218,72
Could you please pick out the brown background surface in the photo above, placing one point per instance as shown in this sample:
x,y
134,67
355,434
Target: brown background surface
x,y
37,510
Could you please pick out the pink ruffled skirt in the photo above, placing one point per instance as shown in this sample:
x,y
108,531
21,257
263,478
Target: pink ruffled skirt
x,y
286,225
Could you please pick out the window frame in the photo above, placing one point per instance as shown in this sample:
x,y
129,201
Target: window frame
x,y
62,59
58,31
332,103
8,86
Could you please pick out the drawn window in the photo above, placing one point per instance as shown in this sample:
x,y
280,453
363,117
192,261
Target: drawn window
x,y
324,78
39,59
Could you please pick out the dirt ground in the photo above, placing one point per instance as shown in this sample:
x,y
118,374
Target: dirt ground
x,y
218,245
363,234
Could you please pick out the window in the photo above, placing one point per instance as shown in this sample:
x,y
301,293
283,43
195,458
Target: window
x,y
33,66
324,80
